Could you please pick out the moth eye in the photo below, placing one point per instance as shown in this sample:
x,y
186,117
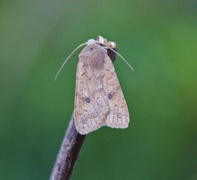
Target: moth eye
x,y
87,99
110,96
91,49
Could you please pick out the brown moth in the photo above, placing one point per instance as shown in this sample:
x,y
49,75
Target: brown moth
x,y
99,100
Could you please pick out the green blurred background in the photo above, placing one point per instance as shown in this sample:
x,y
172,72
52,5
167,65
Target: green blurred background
x,y
158,38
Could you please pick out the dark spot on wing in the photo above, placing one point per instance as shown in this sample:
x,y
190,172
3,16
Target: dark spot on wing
x,y
110,96
87,99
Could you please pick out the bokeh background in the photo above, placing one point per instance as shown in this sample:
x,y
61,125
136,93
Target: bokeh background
x,y
158,38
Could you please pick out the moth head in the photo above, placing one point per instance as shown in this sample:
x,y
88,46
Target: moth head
x,y
91,41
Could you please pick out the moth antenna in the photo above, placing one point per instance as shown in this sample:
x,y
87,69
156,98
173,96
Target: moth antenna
x,y
120,57
68,59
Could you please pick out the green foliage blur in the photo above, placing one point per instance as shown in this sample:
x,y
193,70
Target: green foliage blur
x,y
158,38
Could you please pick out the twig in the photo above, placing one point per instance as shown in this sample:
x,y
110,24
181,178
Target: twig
x,y
68,153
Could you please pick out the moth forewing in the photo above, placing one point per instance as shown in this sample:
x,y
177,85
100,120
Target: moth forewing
x,y
119,114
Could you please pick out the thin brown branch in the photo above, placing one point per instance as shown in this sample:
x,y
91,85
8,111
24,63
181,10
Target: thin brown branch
x,y
68,153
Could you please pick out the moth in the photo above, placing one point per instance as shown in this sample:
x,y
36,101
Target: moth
x,y
99,100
